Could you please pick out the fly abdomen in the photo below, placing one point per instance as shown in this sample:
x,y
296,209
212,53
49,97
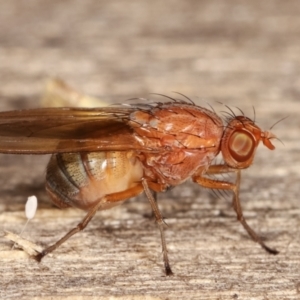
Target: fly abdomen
x,y
81,179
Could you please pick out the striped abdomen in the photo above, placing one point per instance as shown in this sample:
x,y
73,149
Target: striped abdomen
x,y
82,179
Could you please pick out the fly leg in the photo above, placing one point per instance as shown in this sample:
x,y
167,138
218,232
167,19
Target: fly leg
x,y
154,194
235,188
116,197
160,223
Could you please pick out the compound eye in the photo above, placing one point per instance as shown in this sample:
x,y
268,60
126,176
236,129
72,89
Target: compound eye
x,y
241,146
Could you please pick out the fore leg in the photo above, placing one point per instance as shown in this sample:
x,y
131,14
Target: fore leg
x,y
160,223
234,187
116,197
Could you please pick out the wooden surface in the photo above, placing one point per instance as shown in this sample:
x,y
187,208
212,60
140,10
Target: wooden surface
x,y
242,53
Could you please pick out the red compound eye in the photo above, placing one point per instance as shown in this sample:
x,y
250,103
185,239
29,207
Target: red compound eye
x,y
241,145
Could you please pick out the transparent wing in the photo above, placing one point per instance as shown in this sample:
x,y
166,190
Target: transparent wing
x,y
53,130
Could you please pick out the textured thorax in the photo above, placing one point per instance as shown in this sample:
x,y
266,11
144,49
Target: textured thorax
x,y
188,136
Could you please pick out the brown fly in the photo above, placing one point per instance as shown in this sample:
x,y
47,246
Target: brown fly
x,y
103,156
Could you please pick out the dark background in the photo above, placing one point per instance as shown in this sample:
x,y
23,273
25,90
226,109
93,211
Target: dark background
x,y
240,53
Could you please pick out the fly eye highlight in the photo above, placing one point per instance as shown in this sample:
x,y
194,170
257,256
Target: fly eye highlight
x,y
241,146
240,140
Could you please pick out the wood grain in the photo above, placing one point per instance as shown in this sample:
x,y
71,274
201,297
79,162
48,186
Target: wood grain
x,y
240,53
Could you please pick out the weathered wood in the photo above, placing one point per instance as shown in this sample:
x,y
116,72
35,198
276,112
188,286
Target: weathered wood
x,y
242,53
